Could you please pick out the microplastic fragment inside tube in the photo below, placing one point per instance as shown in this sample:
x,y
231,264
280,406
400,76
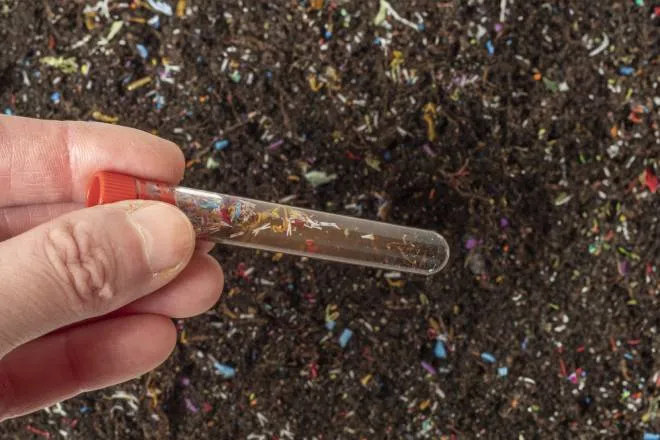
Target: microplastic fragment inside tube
x,y
249,223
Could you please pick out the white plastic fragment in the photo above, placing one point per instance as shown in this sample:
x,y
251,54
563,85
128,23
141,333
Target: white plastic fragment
x,y
161,6
318,178
503,10
101,7
80,43
58,410
604,45
563,199
386,10
130,399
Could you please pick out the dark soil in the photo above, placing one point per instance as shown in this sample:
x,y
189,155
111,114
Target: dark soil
x,y
540,177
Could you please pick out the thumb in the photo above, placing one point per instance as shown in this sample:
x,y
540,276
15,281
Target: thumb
x,y
86,264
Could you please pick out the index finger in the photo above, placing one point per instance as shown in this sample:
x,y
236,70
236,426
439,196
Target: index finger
x,y
52,161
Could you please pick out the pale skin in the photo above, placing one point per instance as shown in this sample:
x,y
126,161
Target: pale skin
x,y
87,295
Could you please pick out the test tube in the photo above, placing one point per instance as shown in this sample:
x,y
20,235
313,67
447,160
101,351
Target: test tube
x,y
240,221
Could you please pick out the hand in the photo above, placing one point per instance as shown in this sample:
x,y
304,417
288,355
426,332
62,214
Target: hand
x,y
86,295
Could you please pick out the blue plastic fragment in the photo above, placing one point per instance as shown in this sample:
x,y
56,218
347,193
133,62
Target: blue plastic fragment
x,y
8,111
220,144
490,47
55,97
209,204
330,325
237,212
142,50
225,370
154,21
503,371
439,350
651,436
159,102
346,336
626,71
487,357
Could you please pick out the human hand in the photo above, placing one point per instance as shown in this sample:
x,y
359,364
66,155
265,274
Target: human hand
x,y
86,296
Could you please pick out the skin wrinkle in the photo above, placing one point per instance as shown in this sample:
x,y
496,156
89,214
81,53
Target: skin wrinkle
x,y
134,205
29,215
18,219
81,265
73,366
27,174
67,136
131,208
4,223
10,159
168,272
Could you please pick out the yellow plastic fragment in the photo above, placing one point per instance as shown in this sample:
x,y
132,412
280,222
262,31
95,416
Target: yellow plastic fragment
x,y
314,84
181,8
66,65
139,83
101,117
89,21
429,118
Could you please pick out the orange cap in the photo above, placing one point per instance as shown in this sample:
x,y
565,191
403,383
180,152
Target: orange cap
x,y
106,187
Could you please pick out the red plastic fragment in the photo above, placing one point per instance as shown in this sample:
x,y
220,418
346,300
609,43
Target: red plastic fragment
x,y
651,180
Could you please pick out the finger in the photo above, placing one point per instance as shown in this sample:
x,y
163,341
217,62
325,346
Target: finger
x,y
204,246
86,264
18,219
193,292
97,355
52,161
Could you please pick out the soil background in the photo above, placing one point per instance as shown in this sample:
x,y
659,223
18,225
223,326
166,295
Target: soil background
x,y
525,132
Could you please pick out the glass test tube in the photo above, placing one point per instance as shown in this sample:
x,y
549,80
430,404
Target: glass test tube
x,y
249,223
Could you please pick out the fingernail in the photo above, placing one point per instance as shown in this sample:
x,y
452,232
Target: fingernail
x,y
168,236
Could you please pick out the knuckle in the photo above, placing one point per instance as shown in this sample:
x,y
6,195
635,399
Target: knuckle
x,y
82,264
